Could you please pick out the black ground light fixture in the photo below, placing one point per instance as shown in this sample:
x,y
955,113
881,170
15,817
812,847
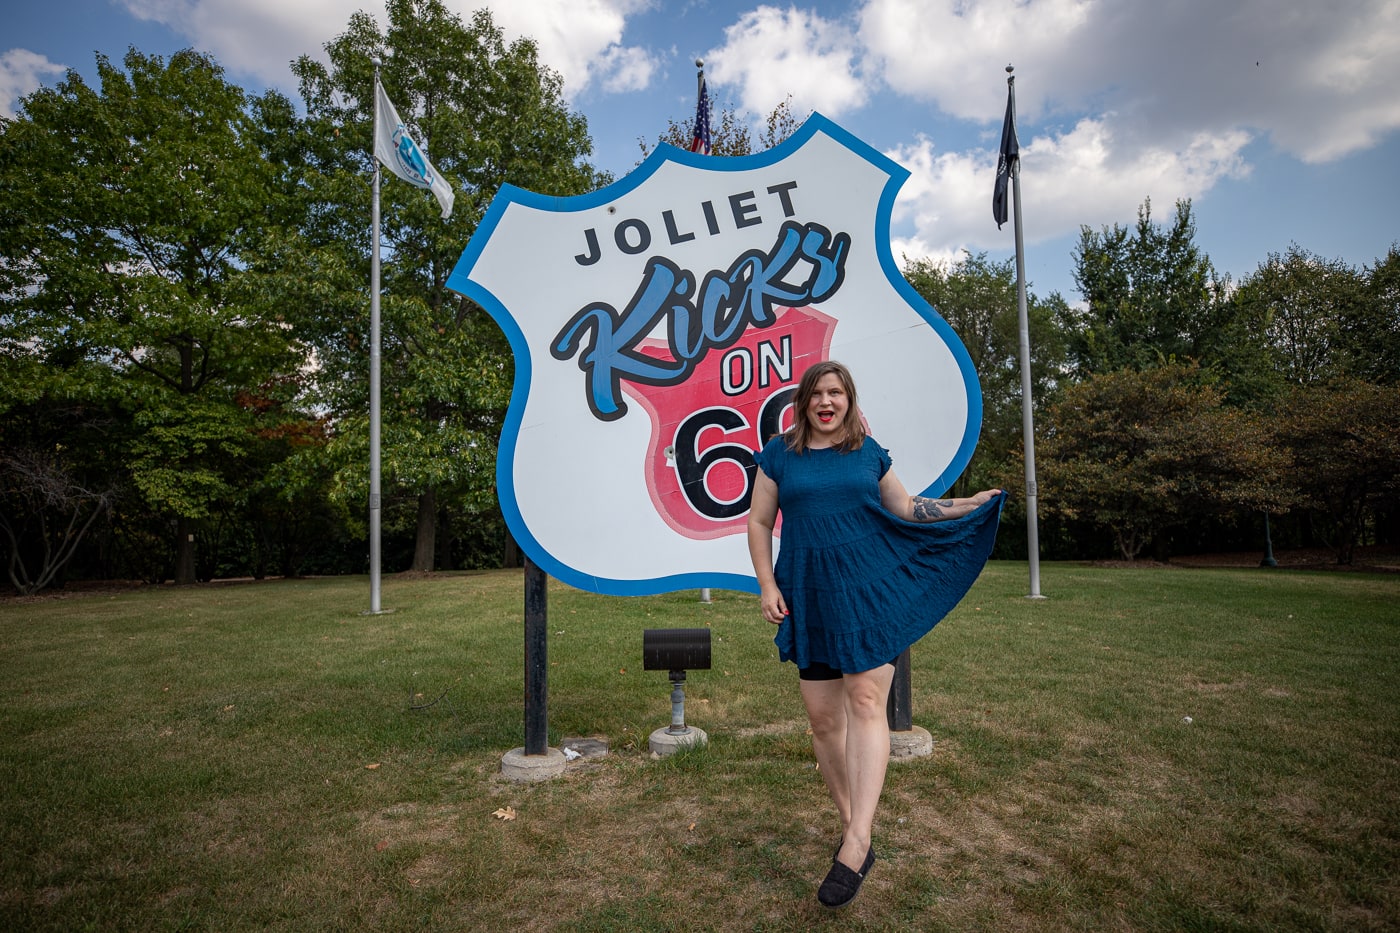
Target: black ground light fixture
x,y
676,650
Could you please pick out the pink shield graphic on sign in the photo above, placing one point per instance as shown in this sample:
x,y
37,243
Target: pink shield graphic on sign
x,y
699,464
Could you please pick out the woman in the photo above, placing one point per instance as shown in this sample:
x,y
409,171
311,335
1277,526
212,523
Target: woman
x,y
860,577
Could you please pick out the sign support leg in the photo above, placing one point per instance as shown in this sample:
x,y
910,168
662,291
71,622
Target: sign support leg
x,y
535,760
906,739
536,659
898,709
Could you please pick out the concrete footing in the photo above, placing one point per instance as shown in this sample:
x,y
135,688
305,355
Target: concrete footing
x,y
665,743
523,768
916,743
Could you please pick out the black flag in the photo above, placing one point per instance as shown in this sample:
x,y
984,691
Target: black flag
x,y
1010,153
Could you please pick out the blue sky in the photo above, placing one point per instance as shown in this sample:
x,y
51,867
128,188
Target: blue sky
x,y
1279,119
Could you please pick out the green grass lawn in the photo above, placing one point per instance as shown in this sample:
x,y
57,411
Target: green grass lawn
x,y
1146,749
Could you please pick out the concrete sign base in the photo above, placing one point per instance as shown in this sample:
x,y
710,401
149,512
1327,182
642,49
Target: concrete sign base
x,y
523,768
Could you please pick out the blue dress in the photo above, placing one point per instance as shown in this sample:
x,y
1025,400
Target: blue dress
x,y
861,585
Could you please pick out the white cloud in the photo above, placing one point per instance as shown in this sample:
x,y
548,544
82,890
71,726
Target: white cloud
x,y
952,51
626,69
21,74
1085,176
1119,101
1343,97
908,249
252,37
1317,78
580,39
771,54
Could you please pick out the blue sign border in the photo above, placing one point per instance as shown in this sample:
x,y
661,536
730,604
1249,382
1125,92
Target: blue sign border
x,y
460,281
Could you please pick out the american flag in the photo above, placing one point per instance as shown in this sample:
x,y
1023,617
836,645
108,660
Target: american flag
x,y
700,137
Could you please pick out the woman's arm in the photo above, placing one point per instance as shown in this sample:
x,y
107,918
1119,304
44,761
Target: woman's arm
x,y
763,515
897,500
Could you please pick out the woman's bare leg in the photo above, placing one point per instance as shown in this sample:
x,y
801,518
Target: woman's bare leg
x,y
826,711
867,757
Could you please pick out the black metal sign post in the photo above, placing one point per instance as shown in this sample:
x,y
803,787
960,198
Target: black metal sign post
x,y
536,659
535,760
906,739
900,707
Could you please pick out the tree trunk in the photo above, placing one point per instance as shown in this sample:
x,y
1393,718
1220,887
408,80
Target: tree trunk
x,y
184,551
425,547
444,541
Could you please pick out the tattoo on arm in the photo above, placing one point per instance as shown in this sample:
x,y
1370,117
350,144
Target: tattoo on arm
x,y
930,510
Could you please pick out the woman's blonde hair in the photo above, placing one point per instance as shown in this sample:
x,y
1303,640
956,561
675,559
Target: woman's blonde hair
x,y
853,431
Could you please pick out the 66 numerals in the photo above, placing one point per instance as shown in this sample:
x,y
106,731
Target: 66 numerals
x,y
695,469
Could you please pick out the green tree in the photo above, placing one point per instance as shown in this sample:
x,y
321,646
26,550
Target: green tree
x,y
1372,334
1143,452
1345,440
1305,306
139,217
1150,293
730,135
977,297
1374,339
488,113
56,480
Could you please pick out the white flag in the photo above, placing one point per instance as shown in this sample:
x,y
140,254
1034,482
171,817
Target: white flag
x,y
402,155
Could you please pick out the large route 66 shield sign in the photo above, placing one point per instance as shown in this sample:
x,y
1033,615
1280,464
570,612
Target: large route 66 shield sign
x,y
659,327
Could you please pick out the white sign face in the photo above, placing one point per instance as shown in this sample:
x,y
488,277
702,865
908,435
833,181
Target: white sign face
x,y
660,326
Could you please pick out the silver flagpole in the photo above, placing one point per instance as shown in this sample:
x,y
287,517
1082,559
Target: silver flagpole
x,y
1027,418
374,499
699,87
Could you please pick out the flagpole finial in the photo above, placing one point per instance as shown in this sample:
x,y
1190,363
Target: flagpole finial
x,y
1010,68
700,63
376,62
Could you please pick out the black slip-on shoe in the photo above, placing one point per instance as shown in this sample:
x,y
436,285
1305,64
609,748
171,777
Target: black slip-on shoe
x,y
842,884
